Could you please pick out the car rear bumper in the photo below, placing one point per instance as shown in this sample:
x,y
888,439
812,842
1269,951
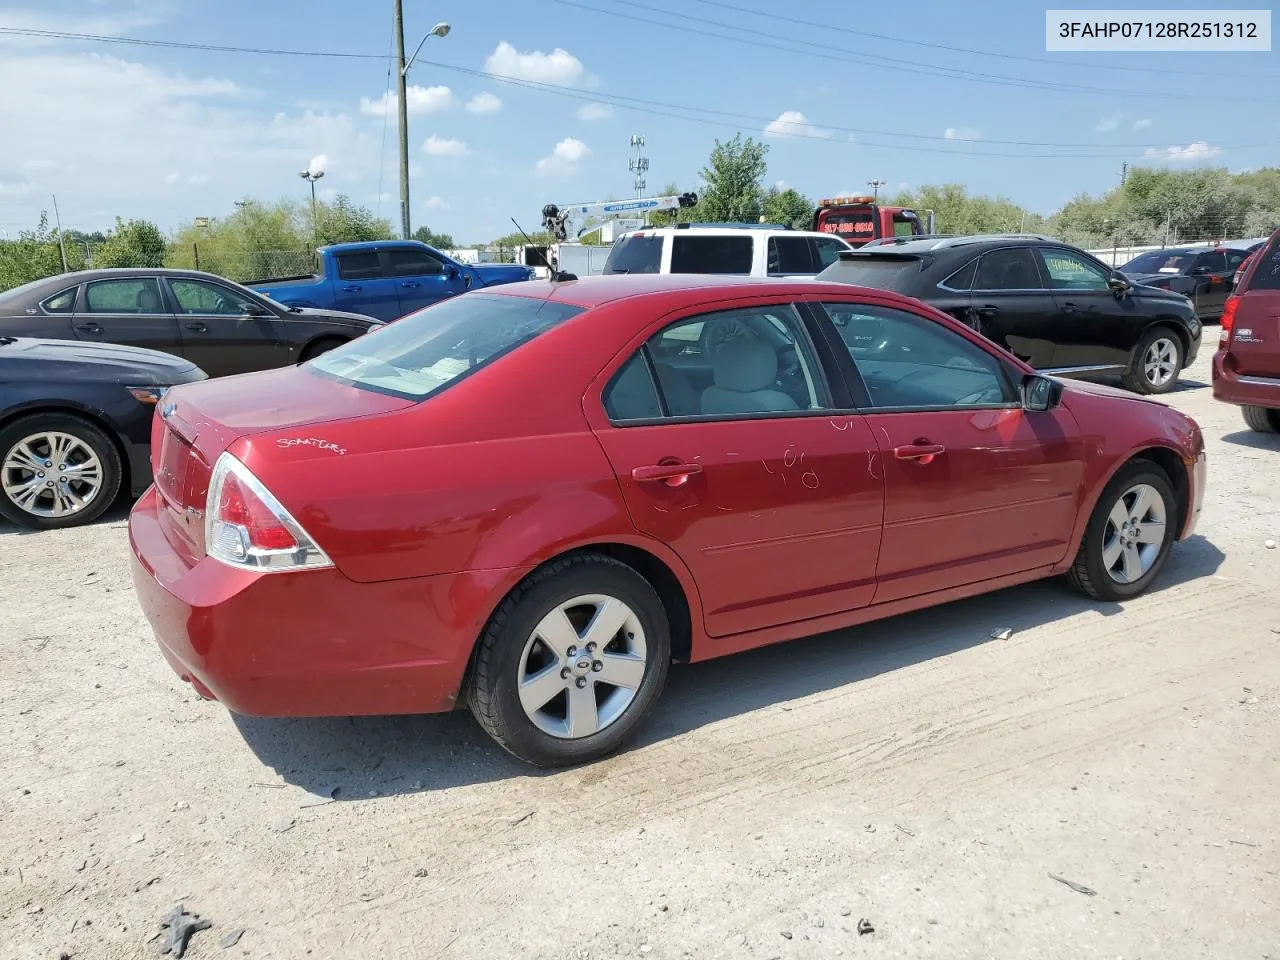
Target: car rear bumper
x,y
1231,387
311,643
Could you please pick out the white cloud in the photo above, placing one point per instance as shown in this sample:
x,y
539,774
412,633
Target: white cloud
x,y
1107,124
781,185
1142,124
441,147
558,67
594,111
319,164
172,178
1191,153
198,179
37,164
15,189
565,158
793,123
484,102
420,101
962,133
436,203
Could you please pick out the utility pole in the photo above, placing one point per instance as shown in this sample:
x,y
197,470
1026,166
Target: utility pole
x,y
638,165
402,108
62,244
1124,172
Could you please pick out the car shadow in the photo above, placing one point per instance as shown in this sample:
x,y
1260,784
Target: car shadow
x,y
118,512
353,758
1251,438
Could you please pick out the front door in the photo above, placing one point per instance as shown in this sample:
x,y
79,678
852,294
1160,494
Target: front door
x,y
975,487
363,285
422,278
1213,276
129,310
1092,326
224,332
1010,306
766,496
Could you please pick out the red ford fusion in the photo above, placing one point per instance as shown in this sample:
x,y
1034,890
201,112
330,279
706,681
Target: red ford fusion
x,y
531,500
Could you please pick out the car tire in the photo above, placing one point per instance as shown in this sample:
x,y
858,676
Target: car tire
x,y
55,441
1156,363
1261,419
544,704
1113,562
317,347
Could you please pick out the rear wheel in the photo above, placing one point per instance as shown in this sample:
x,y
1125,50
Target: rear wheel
x,y
1262,419
1129,535
1156,363
571,662
56,470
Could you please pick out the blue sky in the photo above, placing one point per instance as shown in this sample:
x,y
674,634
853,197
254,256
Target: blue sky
x,y
171,134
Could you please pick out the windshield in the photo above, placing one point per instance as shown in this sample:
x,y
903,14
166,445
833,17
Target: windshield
x,y
424,352
883,273
1161,261
635,254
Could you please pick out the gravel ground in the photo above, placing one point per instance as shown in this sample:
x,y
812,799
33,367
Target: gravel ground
x,y
916,773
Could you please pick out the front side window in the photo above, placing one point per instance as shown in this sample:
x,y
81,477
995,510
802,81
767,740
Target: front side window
x,y
423,352
202,297
1013,269
63,302
827,250
711,254
412,262
135,295
1070,271
791,256
359,266
1235,258
1215,262
907,361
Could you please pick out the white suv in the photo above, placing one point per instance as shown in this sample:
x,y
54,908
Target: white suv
x,y
744,251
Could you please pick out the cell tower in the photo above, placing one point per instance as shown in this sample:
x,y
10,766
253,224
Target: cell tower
x,y
638,165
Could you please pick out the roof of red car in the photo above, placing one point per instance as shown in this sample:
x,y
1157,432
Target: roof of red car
x,y
595,291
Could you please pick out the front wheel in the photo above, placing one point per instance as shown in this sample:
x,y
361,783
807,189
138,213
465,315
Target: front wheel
x,y
1129,535
1156,363
571,662
56,470
314,350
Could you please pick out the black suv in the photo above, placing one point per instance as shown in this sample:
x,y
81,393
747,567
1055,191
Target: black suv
x,y
1055,307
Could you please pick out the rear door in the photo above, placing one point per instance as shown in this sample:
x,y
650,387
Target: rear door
x,y
1011,305
129,310
1212,275
976,488
422,278
763,493
223,331
362,284
1255,336
1091,327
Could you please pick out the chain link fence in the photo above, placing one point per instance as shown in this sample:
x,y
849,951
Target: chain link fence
x,y
243,265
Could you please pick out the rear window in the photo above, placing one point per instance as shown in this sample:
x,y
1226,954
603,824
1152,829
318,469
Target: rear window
x,y
883,273
1162,261
424,352
711,254
1266,275
635,255
853,225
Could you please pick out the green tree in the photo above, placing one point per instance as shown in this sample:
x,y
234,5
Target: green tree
x,y
137,243
956,211
345,222
441,241
36,254
732,190
789,207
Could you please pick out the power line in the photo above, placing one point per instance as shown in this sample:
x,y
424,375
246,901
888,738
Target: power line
x,y
831,28
869,59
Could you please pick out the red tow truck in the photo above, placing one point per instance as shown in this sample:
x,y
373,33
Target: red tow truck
x,y
859,220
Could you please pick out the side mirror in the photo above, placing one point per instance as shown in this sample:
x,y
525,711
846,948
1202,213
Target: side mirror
x,y
1040,393
451,271
255,310
1119,283
1198,271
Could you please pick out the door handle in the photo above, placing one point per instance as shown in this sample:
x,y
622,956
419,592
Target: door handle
x,y
1069,307
922,451
410,283
352,288
89,327
672,474
987,311
197,328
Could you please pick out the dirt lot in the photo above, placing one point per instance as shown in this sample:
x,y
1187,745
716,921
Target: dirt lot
x,y
916,773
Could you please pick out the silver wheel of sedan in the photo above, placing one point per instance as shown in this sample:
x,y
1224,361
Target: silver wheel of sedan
x,y
51,475
1160,362
582,666
1134,534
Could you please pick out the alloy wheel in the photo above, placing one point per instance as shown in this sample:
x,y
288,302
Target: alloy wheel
x,y
582,666
1134,533
1160,362
51,474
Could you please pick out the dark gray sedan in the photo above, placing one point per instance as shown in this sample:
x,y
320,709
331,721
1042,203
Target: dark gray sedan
x,y
218,325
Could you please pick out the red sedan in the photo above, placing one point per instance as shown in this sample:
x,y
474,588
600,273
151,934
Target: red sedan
x,y
532,499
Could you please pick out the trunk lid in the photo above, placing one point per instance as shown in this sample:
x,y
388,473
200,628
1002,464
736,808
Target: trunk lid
x,y
197,422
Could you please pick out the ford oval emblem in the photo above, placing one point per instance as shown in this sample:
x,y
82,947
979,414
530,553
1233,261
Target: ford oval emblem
x,y
167,410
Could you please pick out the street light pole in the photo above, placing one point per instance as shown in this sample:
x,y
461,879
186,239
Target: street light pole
x,y
875,185
312,176
402,107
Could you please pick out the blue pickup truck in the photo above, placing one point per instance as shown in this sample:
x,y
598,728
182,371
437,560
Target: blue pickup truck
x,y
385,279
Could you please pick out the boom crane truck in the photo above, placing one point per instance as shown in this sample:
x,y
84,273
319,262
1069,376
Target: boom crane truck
x,y
559,221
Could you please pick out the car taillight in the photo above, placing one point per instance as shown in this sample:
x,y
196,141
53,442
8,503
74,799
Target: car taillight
x,y
1228,319
247,527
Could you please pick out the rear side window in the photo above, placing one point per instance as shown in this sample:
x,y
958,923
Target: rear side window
x,y
962,279
135,295
631,395
1266,275
635,255
890,272
359,266
422,353
711,254
63,302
